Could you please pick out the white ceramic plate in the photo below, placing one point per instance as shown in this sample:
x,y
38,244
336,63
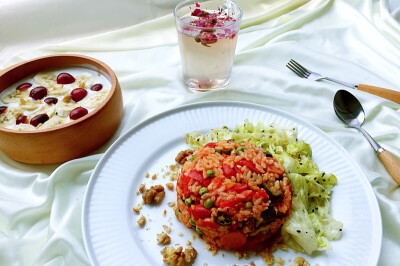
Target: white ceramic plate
x,y
112,236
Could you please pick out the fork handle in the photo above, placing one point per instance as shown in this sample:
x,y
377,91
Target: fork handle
x,y
382,92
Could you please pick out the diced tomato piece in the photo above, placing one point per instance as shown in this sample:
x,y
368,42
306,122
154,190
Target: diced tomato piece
x,y
211,145
183,184
210,224
261,194
198,176
234,240
228,171
249,164
239,188
199,212
234,201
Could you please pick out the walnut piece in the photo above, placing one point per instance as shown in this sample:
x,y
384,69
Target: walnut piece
x,y
182,156
153,195
141,221
163,239
170,186
178,256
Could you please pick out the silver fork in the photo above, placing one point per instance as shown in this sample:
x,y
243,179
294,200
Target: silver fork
x,y
307,74
382,92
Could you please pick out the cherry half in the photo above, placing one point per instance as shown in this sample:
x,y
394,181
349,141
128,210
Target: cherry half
x,y
3,109
78,94
39,119
51,100
24,86
77,113
38,93
96,87
65,78
22,119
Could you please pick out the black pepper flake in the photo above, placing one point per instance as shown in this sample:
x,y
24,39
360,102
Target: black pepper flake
x,y
315,178
324,180
319,195
316,208
323,173
298,231
340,229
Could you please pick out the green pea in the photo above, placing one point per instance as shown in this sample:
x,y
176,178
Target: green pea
x,y
188,201
203,191
193,157
192,222
199,231
208,203
241,148
249,205
210,173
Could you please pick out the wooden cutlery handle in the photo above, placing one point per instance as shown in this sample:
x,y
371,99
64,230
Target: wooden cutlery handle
x,y
391,164
382,92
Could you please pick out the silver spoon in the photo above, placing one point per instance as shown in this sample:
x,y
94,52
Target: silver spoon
x,y
350,111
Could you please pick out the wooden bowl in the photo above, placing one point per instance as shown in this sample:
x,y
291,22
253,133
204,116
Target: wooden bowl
x,y
69,141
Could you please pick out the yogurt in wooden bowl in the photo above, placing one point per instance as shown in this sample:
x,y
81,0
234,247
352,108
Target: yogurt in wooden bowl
x,y
57,108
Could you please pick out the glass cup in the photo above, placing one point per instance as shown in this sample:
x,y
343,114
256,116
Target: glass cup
x,y
207,36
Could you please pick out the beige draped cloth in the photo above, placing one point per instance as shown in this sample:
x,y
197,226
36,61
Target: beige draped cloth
x,y
355,40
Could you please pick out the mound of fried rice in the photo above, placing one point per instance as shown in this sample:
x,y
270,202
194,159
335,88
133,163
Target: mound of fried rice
x,y
234,195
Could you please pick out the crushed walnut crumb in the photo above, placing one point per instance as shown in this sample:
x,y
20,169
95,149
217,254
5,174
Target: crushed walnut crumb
x,y
180,234
137,208
279,261
163,239
167,228
170,186
147,175
178,256
141,221
153,195
171,204
154,177
188,243
142,188
165,212
268,257
300,261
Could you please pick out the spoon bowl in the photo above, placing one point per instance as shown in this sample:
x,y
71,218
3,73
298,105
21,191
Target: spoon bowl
x,y
348,109
351,112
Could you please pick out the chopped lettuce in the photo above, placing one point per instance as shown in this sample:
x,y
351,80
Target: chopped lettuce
x,y
310,226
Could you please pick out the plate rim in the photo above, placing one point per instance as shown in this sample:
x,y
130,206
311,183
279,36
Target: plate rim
x,y
202,104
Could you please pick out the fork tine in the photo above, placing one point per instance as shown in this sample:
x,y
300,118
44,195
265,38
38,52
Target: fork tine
x,y
300,66
300,72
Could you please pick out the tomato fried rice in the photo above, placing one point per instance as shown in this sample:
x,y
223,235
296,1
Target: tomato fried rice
x,y
234,195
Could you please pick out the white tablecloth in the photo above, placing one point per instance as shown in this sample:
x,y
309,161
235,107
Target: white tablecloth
x,y
355,40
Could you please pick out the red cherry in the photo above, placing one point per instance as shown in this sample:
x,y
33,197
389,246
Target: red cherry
x,y
39,119
51,100
38,93
3,109
22,119
78,112
24,86
78,94
96,87
65,78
